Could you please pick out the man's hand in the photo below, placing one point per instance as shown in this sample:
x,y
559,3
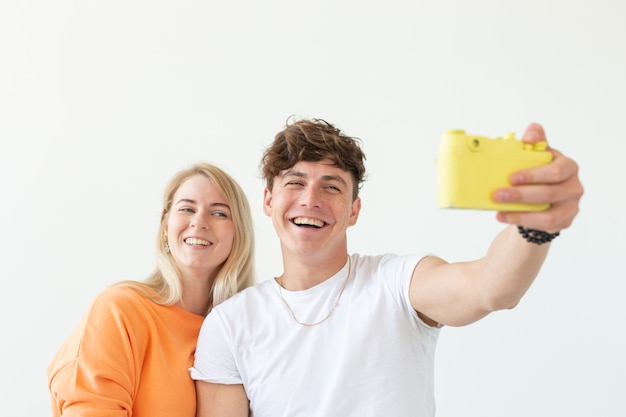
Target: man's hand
x,y
556,183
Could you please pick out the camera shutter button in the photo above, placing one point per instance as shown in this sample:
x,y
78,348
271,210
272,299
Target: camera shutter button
x,y
473,143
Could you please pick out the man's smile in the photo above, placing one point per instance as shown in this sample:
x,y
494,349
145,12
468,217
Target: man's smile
x,y
308,222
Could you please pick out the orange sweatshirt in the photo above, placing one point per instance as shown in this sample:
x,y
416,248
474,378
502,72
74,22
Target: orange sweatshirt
x,y
128,357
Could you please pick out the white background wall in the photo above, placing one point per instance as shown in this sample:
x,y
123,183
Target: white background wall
x,y
102,101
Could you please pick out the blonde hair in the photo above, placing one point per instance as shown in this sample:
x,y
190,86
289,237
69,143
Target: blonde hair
x,y
236,273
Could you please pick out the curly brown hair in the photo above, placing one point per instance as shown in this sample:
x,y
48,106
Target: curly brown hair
x,y
313,140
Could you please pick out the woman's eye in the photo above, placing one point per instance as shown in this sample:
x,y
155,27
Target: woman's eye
x,y
220,214
186,209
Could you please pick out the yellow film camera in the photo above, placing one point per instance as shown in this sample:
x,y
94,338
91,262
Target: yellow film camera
x,y
470,168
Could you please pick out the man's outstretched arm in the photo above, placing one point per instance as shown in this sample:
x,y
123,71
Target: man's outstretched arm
x,y
221,400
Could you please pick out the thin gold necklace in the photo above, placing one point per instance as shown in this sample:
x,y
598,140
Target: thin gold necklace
x,y
280,286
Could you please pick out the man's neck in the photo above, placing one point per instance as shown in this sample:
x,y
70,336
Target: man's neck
x,y
303,272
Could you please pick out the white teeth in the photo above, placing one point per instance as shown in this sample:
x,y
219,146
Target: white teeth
x,y
194,241
308,222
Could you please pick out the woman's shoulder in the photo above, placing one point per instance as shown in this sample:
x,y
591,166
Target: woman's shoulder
x,y
124,295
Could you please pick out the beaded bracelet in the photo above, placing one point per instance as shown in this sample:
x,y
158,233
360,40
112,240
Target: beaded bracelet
x,y
537,237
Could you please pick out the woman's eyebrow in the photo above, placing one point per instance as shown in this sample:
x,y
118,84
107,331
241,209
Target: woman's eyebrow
x,y
186,200
191,201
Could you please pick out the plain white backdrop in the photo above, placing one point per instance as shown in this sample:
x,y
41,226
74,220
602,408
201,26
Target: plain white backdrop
x,y
102,101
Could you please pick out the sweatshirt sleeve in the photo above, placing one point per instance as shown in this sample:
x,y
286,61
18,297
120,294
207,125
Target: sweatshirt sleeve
x,y
95,371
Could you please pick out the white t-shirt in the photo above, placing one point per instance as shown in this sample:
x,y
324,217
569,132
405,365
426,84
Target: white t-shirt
x,y
372,357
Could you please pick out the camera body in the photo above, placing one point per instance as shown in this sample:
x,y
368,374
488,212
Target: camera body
x,y
470,168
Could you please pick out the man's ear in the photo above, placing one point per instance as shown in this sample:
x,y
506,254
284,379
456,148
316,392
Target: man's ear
x,y
355,210
267,202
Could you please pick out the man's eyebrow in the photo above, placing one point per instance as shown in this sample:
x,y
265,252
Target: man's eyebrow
x,y
300,174
335,178
292,173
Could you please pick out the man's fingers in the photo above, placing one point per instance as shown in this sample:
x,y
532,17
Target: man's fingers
x,y
534,133
559,170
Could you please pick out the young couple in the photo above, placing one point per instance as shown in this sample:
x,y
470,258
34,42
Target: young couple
x,y
336,334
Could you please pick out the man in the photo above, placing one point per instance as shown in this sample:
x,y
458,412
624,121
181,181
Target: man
x,y
350,335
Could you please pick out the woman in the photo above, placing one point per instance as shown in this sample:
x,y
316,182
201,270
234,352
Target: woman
x,y
130,354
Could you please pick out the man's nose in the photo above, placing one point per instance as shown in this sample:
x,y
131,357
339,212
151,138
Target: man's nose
x,y
311,197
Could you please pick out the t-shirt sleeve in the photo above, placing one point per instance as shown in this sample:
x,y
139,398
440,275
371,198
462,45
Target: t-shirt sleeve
x,y
398,271
94,370
214,361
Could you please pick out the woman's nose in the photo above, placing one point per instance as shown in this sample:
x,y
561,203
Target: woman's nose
x,y
200,222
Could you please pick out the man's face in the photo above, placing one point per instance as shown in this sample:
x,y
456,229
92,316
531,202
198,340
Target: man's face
x,y
311,207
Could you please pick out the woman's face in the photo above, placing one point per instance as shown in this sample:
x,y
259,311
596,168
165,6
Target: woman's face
x,y
199,229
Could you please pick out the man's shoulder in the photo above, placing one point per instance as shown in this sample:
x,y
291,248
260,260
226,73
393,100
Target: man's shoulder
x,y
390,256
252,294
385,258
388,264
